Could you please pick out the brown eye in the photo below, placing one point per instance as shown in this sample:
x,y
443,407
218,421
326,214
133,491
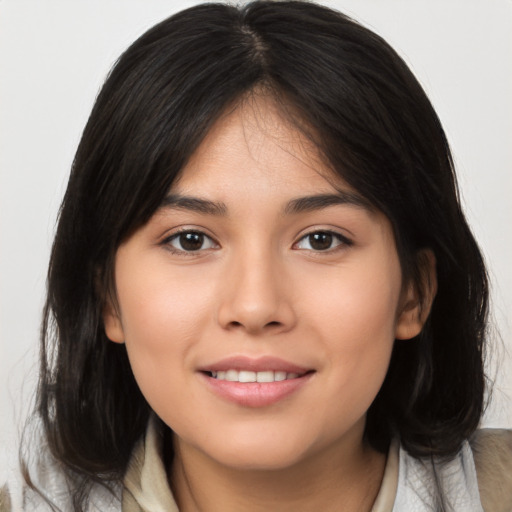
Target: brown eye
x,y
190,241
322,241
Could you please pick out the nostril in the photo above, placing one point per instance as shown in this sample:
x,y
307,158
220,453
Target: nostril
x,y
236,325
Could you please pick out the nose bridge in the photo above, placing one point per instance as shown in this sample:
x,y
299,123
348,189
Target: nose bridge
x,y
255,297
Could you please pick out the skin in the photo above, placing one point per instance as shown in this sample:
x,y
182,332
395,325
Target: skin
x,y
257,286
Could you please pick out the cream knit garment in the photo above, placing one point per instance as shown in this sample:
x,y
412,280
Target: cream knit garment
x,y
408,485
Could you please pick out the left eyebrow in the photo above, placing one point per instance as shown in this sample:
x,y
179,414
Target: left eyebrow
x,y
194,204
320,201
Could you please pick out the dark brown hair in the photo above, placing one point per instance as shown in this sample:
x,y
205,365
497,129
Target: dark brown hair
x,y
374,125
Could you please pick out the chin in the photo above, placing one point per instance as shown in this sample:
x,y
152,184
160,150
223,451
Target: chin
x,y
268,455
261,460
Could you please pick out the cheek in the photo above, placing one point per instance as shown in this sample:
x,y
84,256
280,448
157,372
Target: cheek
x,y
163,314
357,305
354,315
160,303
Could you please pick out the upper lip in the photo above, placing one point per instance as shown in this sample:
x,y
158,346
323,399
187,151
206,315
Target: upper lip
x,y
259,364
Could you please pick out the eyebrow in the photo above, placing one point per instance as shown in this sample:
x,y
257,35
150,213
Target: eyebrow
x,y
194,204
294,206
320,201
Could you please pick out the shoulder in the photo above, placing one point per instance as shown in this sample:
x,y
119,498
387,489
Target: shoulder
x,y
478,478
35,488
43,485
492,452
435,483
5,501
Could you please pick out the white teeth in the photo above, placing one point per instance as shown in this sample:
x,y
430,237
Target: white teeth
x,y
249,376
245,376
232,375
279,376
265,376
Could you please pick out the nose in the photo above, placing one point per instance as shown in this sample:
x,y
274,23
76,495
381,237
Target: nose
x,y
256,296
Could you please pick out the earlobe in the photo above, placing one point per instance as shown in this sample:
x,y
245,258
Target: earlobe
x,y
113,325
417,298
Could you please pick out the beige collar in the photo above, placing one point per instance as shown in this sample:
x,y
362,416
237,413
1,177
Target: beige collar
x,y
387,492
146,488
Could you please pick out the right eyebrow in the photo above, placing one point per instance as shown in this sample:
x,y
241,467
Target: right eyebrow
x,y
320,201
194,204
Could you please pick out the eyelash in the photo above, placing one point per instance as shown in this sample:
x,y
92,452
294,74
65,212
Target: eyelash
x,y
342,240
167,242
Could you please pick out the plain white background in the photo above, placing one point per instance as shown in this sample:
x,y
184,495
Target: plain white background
x,y
54,56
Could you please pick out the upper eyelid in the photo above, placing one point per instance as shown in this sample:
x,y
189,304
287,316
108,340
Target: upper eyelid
x,y
332,231
342,238
174,232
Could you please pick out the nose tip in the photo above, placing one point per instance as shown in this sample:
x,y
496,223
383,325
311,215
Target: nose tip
x,y
256,301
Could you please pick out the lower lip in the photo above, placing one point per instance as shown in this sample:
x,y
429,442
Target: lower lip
x,y
255,394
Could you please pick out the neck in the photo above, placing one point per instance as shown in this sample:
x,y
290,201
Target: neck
x,y
342,477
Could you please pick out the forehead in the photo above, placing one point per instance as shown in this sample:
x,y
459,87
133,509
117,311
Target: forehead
x,y
256,147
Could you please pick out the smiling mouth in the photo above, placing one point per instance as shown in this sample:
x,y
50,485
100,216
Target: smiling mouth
x,y
247,376
254,383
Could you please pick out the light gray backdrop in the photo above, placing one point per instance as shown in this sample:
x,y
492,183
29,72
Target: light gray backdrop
x,y
53,58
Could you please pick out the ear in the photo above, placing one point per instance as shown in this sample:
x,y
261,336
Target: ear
x,y
417,298
112,322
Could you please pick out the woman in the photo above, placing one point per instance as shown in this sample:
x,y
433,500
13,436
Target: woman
x,y
264,289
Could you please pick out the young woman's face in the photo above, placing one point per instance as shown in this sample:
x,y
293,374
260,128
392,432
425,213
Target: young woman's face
x,y
260,266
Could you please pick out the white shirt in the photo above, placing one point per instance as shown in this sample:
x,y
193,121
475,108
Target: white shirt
x,y
408,485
